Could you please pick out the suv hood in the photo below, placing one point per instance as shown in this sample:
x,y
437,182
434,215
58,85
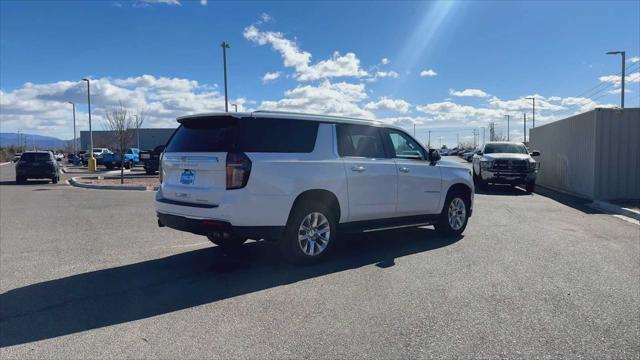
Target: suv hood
x,y
506,156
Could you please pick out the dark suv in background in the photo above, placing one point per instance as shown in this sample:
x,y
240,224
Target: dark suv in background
x,y
37,165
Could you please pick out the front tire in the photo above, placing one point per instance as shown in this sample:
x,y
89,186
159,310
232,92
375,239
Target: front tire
x,y
454,216
310,233
21,180
54,180
530,187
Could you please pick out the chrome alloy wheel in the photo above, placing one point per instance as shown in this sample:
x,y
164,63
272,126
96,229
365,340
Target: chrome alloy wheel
x,y
314,234
457,213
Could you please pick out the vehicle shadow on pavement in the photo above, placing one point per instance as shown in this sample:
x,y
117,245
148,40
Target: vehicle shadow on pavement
x,y
137,291
30,182
504,190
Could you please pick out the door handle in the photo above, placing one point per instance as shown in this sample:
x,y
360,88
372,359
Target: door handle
x,y
404,169
358,168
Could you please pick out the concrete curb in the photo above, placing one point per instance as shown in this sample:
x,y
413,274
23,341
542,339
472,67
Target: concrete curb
x,y
5,163
74,182
616,209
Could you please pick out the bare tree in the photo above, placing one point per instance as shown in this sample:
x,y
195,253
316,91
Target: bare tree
x,y
123,130
498,136
137,124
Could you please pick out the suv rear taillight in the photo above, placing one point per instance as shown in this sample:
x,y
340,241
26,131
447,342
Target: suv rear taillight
x,y
238,170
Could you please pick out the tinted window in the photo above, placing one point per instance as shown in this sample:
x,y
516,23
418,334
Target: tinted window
x,y
360,141
404,146
224,134
505,148
29,157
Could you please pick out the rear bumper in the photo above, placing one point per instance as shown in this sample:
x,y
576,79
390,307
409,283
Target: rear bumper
x,y
36,173
218,227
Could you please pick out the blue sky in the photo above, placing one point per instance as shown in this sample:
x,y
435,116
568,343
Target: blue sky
x,y
360,59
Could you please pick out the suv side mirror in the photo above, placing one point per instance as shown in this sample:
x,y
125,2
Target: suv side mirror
x,y
535,153
479,152
434,155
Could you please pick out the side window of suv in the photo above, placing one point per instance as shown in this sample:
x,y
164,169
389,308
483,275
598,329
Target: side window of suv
x,y
403,146
360,141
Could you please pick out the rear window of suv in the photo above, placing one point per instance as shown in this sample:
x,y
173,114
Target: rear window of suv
x,y
29,157
225,134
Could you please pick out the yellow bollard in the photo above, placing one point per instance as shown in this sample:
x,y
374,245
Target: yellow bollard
x,y
91,164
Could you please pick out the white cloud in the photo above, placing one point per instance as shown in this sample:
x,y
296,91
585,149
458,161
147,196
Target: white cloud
x,y
468,93
264,18
327,98
270,76
43,108
428,73
385,61
385,103
165,2
615,79
338,65
203,2
634,59
383,74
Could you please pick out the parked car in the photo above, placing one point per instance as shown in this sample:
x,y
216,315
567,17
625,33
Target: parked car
x,y
37,165
506,163
16,157
97,154
112,160
234,177
468,155
151,159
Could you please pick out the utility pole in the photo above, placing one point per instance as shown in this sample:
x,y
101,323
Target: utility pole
x,y
508,116
440,138
624,54
483,133
235,106
137,132
414,129
525,127
534,110
429,141
92,160
225,46
75,149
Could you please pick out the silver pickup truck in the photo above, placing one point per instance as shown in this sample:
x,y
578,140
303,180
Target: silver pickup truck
x,y
505,163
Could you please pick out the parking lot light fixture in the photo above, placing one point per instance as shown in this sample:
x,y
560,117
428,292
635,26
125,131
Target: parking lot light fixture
x,y
624,54
92,160
75,149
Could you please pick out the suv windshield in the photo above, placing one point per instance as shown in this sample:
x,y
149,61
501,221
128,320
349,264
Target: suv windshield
x,y
29,157
225,134
505,149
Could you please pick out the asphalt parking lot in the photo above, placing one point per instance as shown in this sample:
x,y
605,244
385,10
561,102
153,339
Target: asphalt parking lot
x,y
87,273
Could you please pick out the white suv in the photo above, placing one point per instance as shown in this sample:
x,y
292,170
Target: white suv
x,y
301,179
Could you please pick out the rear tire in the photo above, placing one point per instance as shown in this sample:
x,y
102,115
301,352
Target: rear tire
x,y
54,180
149,172
21,179
454,216
530,187
310,233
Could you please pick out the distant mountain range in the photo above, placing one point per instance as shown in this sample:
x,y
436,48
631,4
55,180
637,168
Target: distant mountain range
x,y
37,141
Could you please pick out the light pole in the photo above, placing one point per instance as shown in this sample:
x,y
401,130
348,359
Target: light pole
x,y
235,106
624,54
534,111
525,126
75,149
508,116
137,133
225,46
92,160
429,141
